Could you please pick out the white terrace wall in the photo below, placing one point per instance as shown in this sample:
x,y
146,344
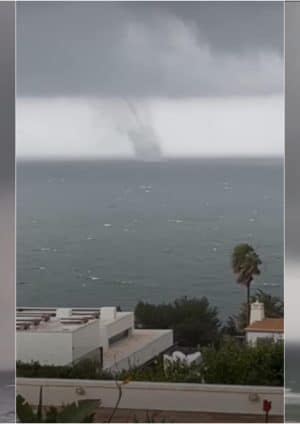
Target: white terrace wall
x,y
85,340
124,321
155,396
37,346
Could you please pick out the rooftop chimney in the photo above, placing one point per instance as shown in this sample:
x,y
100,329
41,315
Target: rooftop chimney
x,y
63,312
257,312
108,312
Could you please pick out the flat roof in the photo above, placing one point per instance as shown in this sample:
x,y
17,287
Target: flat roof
x,y
55,325
267,325
45,320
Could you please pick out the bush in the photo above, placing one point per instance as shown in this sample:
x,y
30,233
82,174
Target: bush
x,y
85,369
235,363
194,321
229,363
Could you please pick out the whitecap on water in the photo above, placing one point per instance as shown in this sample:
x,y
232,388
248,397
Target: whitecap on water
x,y
271,284
176,221
39,268
93,278
125,282
107,225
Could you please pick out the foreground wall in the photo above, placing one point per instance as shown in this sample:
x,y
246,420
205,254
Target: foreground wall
x,y
156,396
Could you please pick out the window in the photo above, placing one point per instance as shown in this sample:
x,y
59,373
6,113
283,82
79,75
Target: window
x,y
118,337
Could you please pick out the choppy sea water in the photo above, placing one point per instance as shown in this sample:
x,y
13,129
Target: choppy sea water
x,y
116,232
7,397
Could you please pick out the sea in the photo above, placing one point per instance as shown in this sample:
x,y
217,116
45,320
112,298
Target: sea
x,y
116,232
7,397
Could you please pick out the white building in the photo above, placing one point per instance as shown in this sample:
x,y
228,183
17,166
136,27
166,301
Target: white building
x,y
261,327
64,336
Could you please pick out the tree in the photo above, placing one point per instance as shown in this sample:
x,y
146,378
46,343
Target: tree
x,y
245,265
273,304
193,321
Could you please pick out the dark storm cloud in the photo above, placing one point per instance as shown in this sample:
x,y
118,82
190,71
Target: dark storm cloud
x,y
292,130
164,49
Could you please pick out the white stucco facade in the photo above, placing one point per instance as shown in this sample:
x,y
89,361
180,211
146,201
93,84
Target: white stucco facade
x,y
253,336
69,336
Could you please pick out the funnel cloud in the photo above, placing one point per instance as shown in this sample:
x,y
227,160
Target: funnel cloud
x,y
143,137
145,143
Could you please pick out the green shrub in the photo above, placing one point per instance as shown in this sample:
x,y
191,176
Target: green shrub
x,y
235,363
228,363
193,321
85,369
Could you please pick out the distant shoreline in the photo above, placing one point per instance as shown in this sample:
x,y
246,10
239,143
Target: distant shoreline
x,y
163,160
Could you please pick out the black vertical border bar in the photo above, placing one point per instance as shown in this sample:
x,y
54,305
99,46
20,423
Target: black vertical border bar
x,y
7,197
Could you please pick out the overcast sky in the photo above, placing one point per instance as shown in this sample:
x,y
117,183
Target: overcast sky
x,y
207,77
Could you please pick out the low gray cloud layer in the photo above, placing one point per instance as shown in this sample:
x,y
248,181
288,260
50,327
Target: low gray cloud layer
x,y
154,49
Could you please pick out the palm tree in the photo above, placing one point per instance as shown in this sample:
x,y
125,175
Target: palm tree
x,y
245,264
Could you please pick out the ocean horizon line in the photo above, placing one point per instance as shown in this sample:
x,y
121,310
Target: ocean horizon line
x,y
140,160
